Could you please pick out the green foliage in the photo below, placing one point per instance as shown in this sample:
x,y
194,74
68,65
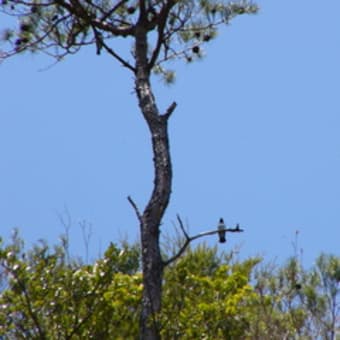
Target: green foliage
x,y
46,297
206,295
278,314
320,295
178,29
291,300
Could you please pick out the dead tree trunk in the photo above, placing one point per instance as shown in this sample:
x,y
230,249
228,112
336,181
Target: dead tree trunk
x,y
150,220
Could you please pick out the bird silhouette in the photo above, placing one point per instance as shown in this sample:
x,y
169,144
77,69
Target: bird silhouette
x,y
221,230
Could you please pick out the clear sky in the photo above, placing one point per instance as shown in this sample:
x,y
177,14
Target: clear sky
x,y
255,139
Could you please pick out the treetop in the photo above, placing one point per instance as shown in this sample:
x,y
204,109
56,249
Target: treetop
x,y
175,29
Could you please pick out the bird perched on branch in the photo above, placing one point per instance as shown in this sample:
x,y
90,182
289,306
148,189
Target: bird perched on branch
x,y
221,230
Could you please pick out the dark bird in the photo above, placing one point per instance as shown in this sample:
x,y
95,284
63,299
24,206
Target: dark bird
x,y
221,230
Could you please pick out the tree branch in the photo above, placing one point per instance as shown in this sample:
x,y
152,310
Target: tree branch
x,y
78,11
162,18
142,11
114,8
169,111
27,300
135,208
116,56
189,239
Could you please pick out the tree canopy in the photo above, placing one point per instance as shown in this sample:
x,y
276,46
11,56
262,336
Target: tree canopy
x,y
206,294
178,29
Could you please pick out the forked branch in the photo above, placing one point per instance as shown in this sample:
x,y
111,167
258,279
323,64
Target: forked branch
x,y
189,239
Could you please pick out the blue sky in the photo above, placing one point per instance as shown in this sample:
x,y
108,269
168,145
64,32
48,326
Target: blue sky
x,y
255,139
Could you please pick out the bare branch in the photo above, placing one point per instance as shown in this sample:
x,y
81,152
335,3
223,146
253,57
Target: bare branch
x,y
135,208
78,11
189,239
168,113
86,230
182,227
142,10
162,18
108,14
116,31
116,56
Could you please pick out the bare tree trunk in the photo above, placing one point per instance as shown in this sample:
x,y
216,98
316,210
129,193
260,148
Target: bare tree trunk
x,y
150,230
151,218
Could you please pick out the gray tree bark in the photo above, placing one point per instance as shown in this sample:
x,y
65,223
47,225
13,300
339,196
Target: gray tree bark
x,y
150,220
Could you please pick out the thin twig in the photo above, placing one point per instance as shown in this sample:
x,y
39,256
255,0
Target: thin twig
x,y
135,208
182,226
